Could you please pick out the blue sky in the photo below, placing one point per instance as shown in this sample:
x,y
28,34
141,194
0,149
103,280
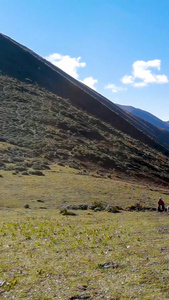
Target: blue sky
x,y
120,47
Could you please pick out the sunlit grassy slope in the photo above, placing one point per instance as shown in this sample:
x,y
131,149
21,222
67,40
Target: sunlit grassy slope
x,y
62,186
45,255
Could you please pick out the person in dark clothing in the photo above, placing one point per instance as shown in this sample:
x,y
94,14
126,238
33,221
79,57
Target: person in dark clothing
x,y
161,205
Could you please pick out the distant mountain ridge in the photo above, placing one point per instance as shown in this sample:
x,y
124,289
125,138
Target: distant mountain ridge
x,y
146,116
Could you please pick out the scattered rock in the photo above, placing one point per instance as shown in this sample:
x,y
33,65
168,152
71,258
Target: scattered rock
x,y
83,288
113,209
151,208
2,283
98,205
164,249
83,172
40,166
18,159
15,173
98,209
166,193
134,207
139,207
2,164
108,265
37,172
41,201
28,164
78,207
80,297
20,168
1,176
25,173
61,164
27,206
42,207
74,165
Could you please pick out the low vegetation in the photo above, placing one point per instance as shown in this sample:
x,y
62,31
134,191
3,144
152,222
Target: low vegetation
x,y
38,128
90,254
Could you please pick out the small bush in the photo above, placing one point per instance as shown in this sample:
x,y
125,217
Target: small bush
x,y
98,204
65,212
137,206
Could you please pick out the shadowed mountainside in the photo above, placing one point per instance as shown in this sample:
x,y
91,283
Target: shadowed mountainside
x,y
22,63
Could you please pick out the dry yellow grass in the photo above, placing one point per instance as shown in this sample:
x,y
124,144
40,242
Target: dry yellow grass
x,y
63,185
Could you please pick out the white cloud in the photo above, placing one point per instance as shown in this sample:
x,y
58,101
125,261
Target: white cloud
x,y
90,81
66,63
70,65
127,79
142,75
115,88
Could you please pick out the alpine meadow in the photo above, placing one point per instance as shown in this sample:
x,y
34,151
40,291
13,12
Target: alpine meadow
x,y
84,179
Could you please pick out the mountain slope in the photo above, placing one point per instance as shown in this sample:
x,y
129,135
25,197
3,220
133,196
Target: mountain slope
x,y
14,56
39,128
146,116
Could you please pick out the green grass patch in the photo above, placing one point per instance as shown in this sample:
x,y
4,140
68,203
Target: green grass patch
x,y
45,255
97,255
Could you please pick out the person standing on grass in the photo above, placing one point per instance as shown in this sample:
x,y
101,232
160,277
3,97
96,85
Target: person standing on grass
x,y
161,205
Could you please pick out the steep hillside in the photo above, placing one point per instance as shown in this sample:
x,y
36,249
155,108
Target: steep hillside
x,y
38,128
146,116
20,62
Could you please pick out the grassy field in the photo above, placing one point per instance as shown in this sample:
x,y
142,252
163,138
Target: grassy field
x,y
93,255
